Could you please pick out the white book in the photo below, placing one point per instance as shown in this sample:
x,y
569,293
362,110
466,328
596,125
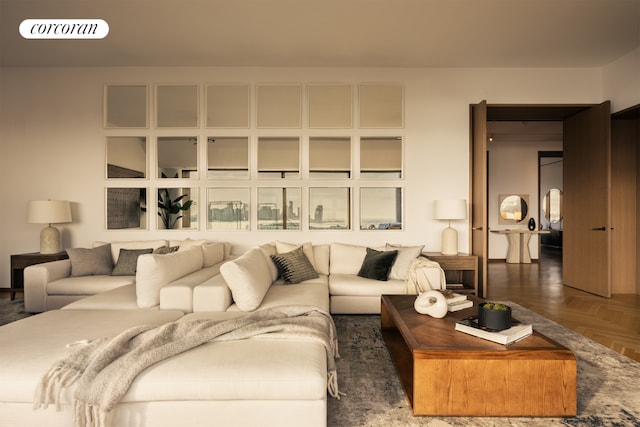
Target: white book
x,y
507,336
459,305
452,296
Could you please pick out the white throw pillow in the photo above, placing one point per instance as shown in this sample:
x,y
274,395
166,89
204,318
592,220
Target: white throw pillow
x,y
307,248
213,253
156,271
248,277
406,256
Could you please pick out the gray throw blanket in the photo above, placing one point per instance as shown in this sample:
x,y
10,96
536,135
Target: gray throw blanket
x,y
105,368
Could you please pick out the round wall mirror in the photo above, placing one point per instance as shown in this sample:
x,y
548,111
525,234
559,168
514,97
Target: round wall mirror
x,y
513,208
552,205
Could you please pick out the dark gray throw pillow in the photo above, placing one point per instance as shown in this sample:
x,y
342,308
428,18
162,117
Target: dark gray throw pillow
x,y
163,250
87,262
128,261
377,264
294,266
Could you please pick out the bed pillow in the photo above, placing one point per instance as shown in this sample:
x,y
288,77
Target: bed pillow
x,y
248,277
128,261
88,262
294,266
377,264
406,256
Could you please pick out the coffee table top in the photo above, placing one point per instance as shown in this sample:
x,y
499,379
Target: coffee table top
x,y
426,334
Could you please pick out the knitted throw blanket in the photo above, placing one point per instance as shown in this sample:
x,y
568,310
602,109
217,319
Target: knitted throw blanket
x,y
105,368
417,280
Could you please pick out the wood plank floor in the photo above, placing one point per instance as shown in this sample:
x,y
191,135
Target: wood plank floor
x,y
613,322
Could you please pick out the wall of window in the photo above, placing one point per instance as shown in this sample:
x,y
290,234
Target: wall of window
x,y
254,157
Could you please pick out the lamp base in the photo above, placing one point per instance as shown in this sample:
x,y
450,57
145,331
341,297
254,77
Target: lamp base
x,y
449,241
49,240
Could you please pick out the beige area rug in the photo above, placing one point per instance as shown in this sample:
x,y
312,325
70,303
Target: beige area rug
x,y
608,383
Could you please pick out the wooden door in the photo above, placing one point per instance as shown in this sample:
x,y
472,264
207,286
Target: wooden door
x,y
478,174
586,254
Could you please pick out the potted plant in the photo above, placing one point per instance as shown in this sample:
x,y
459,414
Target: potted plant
x,y
493,315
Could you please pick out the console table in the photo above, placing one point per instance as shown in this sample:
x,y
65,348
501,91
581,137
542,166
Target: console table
x,y
21,261
518,250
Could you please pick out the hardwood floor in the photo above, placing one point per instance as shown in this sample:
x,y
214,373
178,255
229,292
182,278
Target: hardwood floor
x,y
613,322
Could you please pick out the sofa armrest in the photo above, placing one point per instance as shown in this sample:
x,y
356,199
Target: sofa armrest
x,y
36,279
212,295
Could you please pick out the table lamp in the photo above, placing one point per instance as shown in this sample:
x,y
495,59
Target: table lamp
x,y
450,210
49,212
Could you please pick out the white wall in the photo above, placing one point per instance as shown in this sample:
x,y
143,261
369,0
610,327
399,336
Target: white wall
x,y
621,81
52,142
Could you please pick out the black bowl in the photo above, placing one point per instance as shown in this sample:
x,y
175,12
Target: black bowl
x,y
494,319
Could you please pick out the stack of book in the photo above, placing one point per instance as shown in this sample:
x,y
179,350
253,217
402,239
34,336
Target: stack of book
x,y
456,301
515,333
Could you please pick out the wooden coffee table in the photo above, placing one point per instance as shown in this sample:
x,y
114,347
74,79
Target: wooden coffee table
x,y
446,372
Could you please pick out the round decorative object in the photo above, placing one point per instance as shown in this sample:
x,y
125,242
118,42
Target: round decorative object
x,y
432,303
494,316
532,224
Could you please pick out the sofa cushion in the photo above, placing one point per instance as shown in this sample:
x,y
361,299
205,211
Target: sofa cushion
x,y
321,254
128,261
213,253
294,266
248,277
269,249
377,264
353,285
406,256
346,259
87,262
156,271
189,243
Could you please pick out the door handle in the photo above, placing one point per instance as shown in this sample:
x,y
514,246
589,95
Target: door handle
x,y
476,228
603,228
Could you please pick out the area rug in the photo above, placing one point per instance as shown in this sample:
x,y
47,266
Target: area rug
x,y
12,310
608,383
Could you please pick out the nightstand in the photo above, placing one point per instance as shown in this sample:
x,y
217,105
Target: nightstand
x,y
21,261
460,270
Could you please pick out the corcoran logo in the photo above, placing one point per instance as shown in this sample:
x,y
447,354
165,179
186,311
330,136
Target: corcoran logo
x,y
64,29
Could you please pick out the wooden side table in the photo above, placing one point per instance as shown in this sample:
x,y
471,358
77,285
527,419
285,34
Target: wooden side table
x,y
21,261
459,269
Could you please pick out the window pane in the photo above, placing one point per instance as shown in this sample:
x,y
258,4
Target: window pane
x,y
126,208
177,209
126,157
178,157
177,106
381,157
279,208
227,157
329,208
329,157
330,106
279,105
381,208
381,106
228,105
228,209
125,106
279,157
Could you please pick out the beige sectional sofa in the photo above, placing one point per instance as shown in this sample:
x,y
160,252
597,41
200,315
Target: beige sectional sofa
x,y
270,382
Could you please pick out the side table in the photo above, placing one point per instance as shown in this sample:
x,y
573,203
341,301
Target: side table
x,y
461,269
21,261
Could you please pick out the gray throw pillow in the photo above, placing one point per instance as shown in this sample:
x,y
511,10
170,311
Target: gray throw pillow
x,y
163,250
294,266
87,262
128,261
377,264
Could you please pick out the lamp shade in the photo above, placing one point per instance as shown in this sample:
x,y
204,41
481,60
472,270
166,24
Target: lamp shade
x,y
450,209
49,212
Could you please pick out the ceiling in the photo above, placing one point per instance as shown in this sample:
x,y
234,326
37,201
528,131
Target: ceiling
x,y
330,33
